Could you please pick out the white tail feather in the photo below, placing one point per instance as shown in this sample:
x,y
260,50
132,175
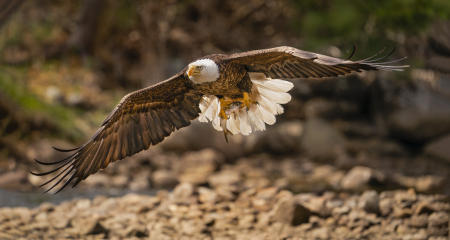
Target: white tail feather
x,y
244,124
256,122
280,109
267,104
267,117
275,85
277,97
232,124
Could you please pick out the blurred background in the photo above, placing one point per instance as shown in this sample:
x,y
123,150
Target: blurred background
x,y
64,65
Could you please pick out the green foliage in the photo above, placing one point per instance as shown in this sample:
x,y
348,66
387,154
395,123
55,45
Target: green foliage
x,y
365,22
12,86
409,16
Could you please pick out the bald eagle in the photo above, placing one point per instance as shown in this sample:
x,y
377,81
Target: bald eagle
x,y
238,93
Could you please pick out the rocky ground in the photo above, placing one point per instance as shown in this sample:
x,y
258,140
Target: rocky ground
x,y
226,212
265,195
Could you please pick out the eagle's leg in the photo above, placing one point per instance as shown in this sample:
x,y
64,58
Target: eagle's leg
x,y
225,103
228,104
246,100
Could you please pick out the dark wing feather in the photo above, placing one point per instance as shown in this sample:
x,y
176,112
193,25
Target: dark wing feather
x,y
289,62
142,118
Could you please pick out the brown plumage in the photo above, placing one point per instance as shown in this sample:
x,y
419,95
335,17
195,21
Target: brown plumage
x,y
145,117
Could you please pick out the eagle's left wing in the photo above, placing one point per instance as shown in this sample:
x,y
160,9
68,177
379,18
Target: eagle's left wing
x,y
142,118
288,63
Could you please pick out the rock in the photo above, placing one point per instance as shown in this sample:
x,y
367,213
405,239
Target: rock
x,y
7,236
86,225
197,177
58,220
419,221
400,212
263,220
263,199
286,210
438,219
315,204
225,193
341,210
119,181
157,231
183,192
82,204
266,193
360,178
140,181
224,177
206,195
207,157
428,183
24,214
261,205
410,110
386,206
369,201
440,148
300,215
191,227
321,140
196,167
320,233
247,221
164,179
427,207
405,199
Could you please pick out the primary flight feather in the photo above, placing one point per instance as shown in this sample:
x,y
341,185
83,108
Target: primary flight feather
x,y
239,93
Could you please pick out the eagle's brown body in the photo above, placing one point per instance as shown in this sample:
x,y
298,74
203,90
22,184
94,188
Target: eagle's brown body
x,y
145,117
232,82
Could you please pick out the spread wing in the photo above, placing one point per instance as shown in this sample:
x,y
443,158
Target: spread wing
x,y
142,118
289,62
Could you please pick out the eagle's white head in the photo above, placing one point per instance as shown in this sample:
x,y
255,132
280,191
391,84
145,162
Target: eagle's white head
x,y
202,71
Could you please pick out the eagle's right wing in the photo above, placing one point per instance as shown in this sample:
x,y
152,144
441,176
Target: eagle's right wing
x,y
288,62
142,118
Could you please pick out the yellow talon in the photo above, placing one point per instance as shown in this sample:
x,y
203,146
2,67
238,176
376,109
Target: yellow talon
x,y
226,102
222,114
246,100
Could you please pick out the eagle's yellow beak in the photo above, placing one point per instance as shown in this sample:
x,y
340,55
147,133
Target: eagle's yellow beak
x,y
193,70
